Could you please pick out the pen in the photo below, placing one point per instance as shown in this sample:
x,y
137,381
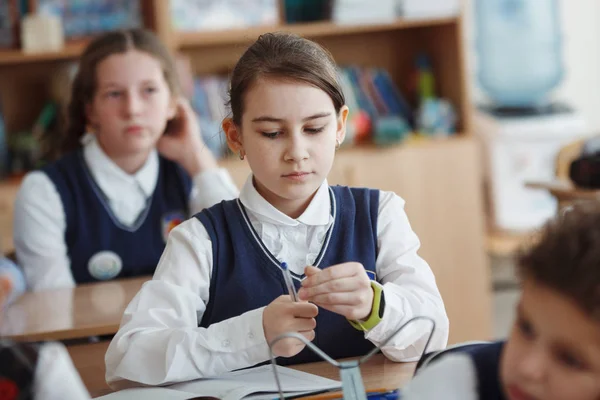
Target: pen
x,y
380,394
287,277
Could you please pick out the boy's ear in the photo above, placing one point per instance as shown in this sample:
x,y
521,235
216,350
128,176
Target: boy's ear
x,y
341,123
233,135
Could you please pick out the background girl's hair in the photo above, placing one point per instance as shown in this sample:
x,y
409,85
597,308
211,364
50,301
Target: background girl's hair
x,y
284,56
84,84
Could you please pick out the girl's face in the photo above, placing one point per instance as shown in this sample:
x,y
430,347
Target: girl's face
x,y
132,103
288,134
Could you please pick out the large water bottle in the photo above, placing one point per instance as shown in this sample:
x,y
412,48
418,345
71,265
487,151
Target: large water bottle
x,y
519,48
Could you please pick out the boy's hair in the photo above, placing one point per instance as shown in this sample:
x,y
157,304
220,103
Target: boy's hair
x,y
84,84
567,257
284,56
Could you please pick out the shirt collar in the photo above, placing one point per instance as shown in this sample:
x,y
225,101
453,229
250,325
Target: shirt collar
x,y
111,178
317,213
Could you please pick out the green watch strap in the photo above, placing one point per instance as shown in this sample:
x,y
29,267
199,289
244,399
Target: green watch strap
x,y
376,312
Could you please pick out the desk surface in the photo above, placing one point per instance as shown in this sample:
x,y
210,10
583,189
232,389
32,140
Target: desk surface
x,y
87,310
565,190
377,373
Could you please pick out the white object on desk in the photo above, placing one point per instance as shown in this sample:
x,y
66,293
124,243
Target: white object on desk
x,y
234,386
520,150
41,33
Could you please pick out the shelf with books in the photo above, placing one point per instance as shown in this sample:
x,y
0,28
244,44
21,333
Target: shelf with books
x,y
16,57
310,30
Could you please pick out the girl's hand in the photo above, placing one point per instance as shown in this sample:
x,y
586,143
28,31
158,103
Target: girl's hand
x,y
285,316
344,289
182,141
6,288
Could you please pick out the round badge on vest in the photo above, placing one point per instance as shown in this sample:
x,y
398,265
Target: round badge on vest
x,y
170,221
105,265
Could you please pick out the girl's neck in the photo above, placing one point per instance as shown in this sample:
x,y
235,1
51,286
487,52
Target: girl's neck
x,y
292,208
128,162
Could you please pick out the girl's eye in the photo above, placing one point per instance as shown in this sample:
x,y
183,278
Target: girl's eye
x,y
113,94
271,135
314,130
150,90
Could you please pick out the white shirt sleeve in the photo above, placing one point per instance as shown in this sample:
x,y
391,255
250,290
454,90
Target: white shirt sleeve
x,y
159,341
39,232
409,287
56,377
211,187
451,378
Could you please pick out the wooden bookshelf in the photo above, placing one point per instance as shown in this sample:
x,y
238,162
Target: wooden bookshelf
x,y
18,57
310,30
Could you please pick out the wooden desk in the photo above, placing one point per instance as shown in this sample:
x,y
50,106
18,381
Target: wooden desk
x,y
565,192
87,310
377,373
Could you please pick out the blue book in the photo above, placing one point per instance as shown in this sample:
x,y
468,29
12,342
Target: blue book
x,y
394,100
362,98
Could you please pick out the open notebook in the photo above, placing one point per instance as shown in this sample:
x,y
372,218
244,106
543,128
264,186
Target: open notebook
x,y
254,383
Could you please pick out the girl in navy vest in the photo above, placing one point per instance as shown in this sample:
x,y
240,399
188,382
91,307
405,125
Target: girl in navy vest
x,y
104,209
553,351
218,296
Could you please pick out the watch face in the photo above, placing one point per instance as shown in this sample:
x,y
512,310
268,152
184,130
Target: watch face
x,y
381,304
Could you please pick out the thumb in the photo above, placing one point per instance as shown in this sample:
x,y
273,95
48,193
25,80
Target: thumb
x,y
310,270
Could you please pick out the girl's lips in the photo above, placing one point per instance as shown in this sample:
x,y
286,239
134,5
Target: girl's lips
x,y
134,129
297,175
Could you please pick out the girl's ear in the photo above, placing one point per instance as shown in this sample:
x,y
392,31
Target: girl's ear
x,y
90,115
233,135
173,106
341,123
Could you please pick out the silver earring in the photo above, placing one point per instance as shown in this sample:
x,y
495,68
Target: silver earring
x,y
242,155
337,143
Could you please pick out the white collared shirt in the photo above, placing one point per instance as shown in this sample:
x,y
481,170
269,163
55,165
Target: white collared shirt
x,y
40,221
159,341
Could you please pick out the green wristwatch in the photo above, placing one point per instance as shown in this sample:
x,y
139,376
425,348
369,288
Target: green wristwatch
x,y
376,312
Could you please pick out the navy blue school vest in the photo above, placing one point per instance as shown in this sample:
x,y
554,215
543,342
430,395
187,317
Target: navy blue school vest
x,y
246,276
99,246
486,357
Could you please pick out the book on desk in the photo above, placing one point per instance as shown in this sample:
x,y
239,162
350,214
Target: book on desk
x,y
253,383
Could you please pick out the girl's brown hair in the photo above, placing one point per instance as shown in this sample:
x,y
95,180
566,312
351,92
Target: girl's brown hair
x,y
84,84
284,56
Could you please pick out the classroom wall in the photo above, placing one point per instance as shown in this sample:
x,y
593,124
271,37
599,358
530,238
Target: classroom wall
x,y
581,29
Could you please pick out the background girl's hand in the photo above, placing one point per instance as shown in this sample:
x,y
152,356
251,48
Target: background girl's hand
x,y
344,289
182,142
5,289
285,316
